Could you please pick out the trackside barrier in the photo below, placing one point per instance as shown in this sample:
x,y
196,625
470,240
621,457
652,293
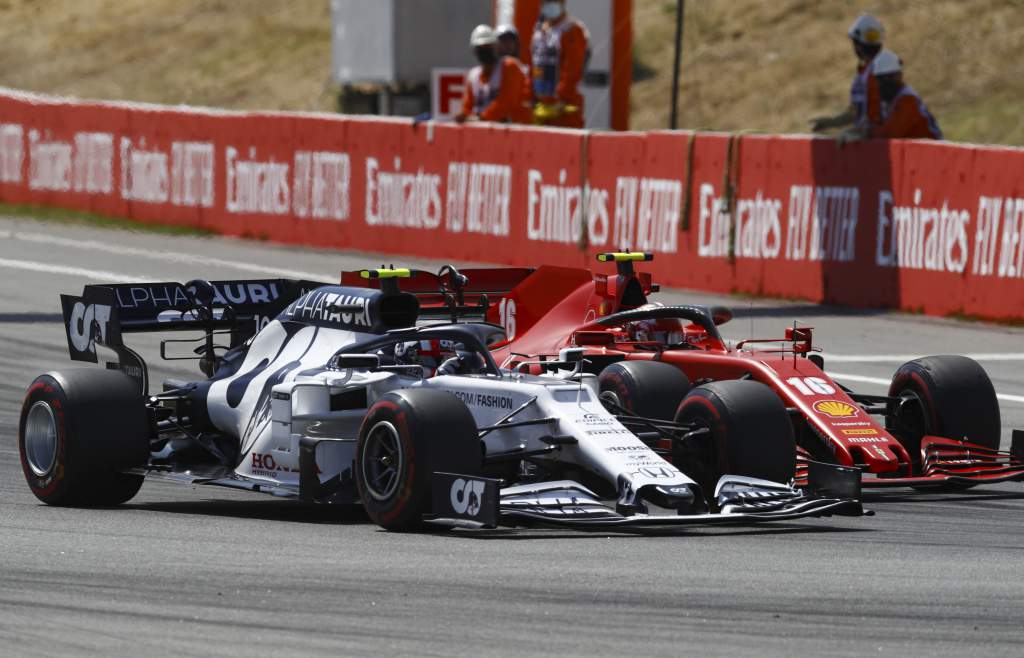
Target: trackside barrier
x,y
930,227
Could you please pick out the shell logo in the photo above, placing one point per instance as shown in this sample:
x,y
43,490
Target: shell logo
x,y
835,408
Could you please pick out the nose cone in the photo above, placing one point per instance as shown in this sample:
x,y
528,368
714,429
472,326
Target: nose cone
x,y
682,498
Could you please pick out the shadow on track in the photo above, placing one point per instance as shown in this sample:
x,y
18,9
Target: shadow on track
x,y
30,318
790,311
292,512
261,510
972,495
537,533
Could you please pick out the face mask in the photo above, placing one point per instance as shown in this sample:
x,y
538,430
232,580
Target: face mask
x,y
865,53
551,10
888,89
486,56
508,46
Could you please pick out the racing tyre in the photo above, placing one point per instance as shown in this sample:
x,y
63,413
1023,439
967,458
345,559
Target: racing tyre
x,y
406,437
750,434
652,389
948,396
79,429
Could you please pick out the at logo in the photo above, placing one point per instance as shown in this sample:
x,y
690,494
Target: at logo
x,y
835,408
466,496
86,324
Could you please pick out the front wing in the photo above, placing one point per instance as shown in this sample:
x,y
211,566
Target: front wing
x,y
481,502
949,463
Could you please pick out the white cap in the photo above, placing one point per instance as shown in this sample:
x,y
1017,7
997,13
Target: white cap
x,y
867,30
482,35
506,29
885,63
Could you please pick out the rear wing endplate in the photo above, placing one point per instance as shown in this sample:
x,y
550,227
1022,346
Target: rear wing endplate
x,y
103,313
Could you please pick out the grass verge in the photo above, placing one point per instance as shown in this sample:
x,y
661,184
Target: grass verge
x,y
81,218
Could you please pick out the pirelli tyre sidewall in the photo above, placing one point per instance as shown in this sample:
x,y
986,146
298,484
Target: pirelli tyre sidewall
x,y
652,389
100,426
751,434
418,432
957,401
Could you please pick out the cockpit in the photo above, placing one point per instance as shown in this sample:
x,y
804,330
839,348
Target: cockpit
x,y
436,350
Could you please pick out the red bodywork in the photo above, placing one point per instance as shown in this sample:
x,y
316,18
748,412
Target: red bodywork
x,y
551,308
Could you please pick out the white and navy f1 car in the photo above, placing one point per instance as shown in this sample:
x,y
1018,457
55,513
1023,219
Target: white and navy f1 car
x,y
337,394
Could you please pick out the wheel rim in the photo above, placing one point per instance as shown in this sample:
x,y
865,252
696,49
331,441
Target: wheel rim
x,y
40,438
382,461
613,398
699,457
911,417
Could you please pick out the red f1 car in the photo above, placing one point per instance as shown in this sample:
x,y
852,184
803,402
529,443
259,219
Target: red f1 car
x,y
668,367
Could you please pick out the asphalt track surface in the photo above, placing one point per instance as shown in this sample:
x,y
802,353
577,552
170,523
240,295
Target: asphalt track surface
x,y
191,571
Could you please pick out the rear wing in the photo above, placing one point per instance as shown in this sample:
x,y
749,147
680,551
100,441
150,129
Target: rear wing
x,y
451,293
104,313
514,298
538,307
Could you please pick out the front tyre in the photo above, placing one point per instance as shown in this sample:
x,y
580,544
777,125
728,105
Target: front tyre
x,y
749,434
651,389
79,430
948,396
406,437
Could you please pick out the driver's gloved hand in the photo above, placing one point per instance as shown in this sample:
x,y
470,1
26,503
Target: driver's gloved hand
x,y
450,366
473,363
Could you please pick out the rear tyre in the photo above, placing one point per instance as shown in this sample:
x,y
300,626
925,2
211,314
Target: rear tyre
x,y
948,396
652,389
406,437
750,434
79,429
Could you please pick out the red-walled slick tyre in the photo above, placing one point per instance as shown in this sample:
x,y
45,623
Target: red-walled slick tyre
x,y
79,430
750,434
406,437
948,396
651,389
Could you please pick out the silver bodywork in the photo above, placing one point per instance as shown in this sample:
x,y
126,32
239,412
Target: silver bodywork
x,y
280,397
299,406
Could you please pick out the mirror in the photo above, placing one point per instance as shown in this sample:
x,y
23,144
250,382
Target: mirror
x,y
720,314
357,361
571,354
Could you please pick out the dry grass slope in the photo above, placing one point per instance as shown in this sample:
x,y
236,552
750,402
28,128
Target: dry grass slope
x,y
765,65
246,54
770,66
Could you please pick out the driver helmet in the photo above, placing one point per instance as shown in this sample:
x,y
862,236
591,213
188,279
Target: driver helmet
x,y
664,331
407,353
427,353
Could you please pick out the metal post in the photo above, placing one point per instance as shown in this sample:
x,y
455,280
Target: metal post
x,y
680,8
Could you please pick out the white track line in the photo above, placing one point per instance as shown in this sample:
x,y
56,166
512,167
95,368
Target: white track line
x,y
178,257
885,382
162,254
80,272
902,358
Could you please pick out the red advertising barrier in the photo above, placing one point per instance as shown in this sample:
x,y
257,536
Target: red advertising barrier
x,y
923,226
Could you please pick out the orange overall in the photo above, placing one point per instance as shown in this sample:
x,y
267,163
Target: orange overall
x,y
907,117
559,55
498,96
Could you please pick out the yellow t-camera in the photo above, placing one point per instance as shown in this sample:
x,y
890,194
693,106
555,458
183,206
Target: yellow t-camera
x,y
624,256
385,273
